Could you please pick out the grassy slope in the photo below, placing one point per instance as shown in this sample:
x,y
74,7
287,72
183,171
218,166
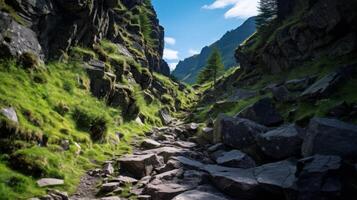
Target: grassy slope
x,y
345,92
38,97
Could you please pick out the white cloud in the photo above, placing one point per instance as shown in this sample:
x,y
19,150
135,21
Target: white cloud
x,y
170,40
237,8
193,52
172,66
170,54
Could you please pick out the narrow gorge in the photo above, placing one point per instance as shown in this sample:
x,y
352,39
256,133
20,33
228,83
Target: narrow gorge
x,y
89,109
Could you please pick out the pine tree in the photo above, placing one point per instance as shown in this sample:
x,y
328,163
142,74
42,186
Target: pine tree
x,y
213,69
268,10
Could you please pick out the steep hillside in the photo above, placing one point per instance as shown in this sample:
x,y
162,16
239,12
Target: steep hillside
x,y
188,69
306,62
78,81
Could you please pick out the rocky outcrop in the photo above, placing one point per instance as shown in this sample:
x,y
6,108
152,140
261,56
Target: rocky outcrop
x,y
50,28
325,28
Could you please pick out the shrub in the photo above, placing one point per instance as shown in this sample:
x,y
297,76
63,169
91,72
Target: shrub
x,y
37,162
30,60
167,99
93,122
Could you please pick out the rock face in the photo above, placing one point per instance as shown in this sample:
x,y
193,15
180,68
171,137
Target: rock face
x,y
316,34
51,27
330,137
262,112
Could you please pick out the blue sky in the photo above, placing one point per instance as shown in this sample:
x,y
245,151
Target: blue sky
x,y
192,24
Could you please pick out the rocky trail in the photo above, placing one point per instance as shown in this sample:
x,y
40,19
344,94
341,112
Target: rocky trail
x,y
258,162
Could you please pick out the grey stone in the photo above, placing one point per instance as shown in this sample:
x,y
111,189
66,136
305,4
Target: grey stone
x,y
165,117
16,39
108,187
213,148
10,114
184,144
166,152
138,165
239,133
262,112
45,182
111,198
199,195
235,158
282,142
330,137
108,168
150,144
319,177
266,181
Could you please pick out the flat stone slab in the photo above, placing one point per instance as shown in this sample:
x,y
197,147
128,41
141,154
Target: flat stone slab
x,y
139,165
111,198
235,158
184,144
45,182
199,195
150,144
166,152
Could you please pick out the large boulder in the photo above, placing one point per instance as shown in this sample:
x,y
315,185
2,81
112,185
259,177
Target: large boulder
x,y
319,178
170,184
262,112
267,181
330,137
238,133
138,165
282,142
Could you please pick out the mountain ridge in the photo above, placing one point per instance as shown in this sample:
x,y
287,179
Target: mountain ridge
x,y
188,69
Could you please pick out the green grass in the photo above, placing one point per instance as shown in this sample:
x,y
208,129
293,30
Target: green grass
x,y
54,104
13,184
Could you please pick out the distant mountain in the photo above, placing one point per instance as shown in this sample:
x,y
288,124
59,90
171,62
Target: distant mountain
x,y
188,69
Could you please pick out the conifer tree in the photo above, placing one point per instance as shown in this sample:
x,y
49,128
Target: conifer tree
x,y
213,69
268,10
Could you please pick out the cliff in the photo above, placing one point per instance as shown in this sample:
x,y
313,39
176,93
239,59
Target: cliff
x,y
49,28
